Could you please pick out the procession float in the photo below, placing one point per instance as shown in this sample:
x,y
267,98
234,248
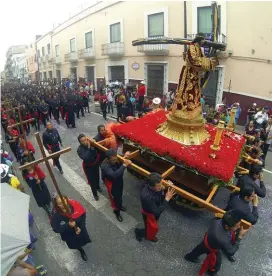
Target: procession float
x,y
197,157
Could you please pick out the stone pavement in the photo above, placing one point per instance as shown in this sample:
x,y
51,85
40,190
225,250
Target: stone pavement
x,y
114,250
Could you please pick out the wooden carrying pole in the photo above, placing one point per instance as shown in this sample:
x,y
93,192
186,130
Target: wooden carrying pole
x,y
46,160
201,202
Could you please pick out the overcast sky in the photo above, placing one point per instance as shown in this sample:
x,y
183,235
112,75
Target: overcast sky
x,y
22,20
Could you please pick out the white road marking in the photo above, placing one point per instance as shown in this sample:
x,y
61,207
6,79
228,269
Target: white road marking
x,y
267,171
97,114
102,205
111,118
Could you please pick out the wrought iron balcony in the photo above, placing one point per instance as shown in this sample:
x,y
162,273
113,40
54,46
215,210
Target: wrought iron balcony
x,y
113,49
49,58
221,38
87,53
154,49
57,60
71,57
42,59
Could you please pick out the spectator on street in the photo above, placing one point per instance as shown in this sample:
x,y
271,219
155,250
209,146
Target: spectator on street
x,y
238,111
251,113
268,139
261,118
110,101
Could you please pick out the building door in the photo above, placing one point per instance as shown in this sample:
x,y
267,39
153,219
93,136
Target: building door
x,y
58,74
155,75
50,75
44,76
210,90
117,73
73,74
90,74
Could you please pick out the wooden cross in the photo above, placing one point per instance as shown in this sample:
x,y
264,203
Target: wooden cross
x,y
46,159
21,122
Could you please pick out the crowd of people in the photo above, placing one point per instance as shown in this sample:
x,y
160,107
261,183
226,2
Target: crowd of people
x,y
68,217
258,124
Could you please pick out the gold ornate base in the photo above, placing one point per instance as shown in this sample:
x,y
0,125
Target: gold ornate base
x,y
186,132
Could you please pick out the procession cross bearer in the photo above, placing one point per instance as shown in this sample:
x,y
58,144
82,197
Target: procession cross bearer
x,y
68,217
51,141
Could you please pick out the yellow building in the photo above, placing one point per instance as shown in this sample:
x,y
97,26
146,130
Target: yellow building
x,y
97,43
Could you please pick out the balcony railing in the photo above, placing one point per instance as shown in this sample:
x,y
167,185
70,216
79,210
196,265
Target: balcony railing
x,y
221,38
71,57
154,49
42,59
49,58
87,53
56,60
113,49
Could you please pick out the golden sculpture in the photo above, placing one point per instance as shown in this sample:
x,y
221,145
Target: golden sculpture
x,y
185,123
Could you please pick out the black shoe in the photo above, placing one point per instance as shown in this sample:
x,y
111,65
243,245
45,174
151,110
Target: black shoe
x,y
210,273
61,171
83,255
118,216
154,240
231,258
123,209
74,126
96,198
138,238
187,258
99,190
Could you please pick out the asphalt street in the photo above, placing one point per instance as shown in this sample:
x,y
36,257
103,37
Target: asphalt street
x,y
114,250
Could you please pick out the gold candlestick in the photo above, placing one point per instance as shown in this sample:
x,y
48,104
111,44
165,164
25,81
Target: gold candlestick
x,y
231,121
217,139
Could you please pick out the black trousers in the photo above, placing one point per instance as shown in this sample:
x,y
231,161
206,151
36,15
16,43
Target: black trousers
x,y
80,108
104,112
110,107
141,102
36,123
201,249
93,177
265,150
44,119
27,128
56,114
56,160
13,147
141,233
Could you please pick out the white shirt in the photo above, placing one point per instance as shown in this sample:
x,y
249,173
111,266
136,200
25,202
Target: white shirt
x,y
167,95
261,117
110,96
269,134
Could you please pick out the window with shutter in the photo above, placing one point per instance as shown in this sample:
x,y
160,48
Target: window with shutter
x,y
72,45
48,48
204,19
88,40
156,24
115,32
57,50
